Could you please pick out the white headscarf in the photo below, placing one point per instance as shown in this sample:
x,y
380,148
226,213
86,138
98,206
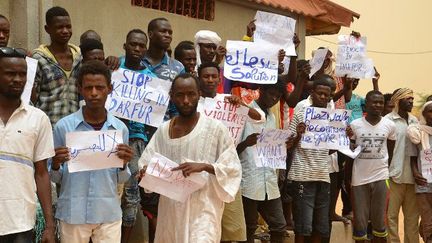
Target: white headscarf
x,y
419,133
205,37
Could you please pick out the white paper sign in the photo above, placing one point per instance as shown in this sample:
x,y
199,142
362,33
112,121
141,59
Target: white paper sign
x,y
138,97
317,60
160,178
369,69
93,150
426,164
325,128
31,74
251,62
276,30
351,57
233,117
271,148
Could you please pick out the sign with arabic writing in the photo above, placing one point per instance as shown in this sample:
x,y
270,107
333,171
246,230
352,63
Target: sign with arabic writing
x,y
93,150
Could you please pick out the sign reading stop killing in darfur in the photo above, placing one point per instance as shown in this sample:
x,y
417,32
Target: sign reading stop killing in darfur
x,y
233,117
275,30
271,148
251,62
325,128
351,57
138,97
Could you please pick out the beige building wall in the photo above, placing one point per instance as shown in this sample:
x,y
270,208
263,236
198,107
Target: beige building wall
x,y
390,26
113,19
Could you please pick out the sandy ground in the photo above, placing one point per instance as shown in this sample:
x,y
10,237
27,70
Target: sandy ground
x,y
140,230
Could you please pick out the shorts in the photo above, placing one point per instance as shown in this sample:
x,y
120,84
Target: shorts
x,y
369,203
311,207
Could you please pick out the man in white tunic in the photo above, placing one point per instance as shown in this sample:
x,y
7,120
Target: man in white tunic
x,y
207,143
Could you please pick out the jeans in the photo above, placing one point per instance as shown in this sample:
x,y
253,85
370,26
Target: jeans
x,y
311,208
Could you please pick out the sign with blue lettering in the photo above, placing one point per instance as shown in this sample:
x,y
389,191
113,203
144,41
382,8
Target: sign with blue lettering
x,y
351,57
93,150
271,148
325,128
138,97
275,30
250,62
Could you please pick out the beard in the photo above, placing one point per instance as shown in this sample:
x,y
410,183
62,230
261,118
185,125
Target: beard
x,y
188,113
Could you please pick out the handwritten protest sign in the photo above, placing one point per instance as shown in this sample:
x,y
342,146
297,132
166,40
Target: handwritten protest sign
x,y
233,117
160,178
31,74
275,30
351,57
93,150
325,128
251,62
369,68
138,97
426,164
271,149
317,61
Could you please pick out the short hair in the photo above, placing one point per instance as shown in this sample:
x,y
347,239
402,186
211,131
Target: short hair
x,y
4,17
94,67
183,46
208,65
279,85
138,31
12,52
54,12
86,34
152,24
322,80
429,98
185,76
387,97
89,45
371,93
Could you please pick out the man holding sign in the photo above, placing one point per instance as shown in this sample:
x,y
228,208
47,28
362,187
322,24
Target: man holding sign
x,y
88,205
310,174
260,189
375,135
233,222
206,146
421,164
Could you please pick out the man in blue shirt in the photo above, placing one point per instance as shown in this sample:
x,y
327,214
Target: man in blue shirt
x,y
157,60
135,48
88,205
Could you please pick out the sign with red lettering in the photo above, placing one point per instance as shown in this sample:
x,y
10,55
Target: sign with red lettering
x,y
160,178
232,116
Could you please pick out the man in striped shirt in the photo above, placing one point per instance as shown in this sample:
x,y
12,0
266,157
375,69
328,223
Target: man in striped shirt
x,y
309,173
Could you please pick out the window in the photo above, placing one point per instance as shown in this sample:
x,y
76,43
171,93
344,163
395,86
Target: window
x,y
198,9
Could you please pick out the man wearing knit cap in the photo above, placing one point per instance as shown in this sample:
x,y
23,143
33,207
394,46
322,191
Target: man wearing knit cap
x,y
402,189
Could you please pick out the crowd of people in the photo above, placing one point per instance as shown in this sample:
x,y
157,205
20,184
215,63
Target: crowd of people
x,y
70,89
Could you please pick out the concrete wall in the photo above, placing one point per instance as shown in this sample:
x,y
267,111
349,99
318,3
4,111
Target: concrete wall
x,y
113,19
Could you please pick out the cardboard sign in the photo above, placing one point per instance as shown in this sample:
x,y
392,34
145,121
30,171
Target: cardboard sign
x,y
426,164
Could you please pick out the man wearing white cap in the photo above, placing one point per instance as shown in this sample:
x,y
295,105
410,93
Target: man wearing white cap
x,y
208,48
